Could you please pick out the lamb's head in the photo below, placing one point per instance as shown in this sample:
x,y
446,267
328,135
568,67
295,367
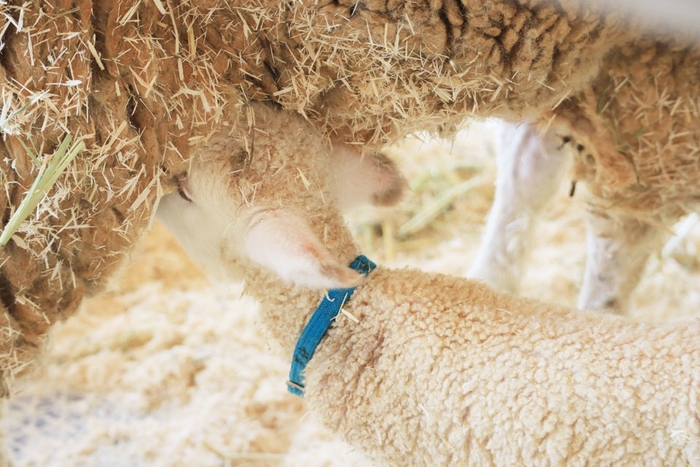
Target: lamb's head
x,y
269,194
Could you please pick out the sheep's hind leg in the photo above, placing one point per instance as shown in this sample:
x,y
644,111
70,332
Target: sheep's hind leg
x,y
617,248
531,166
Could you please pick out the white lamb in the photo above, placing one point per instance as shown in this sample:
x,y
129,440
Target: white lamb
x,y
428,369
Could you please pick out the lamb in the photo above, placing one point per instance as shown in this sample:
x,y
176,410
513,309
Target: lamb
x,y
426,369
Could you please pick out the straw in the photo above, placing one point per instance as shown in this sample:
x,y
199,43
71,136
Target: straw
x,y
432,210
49,172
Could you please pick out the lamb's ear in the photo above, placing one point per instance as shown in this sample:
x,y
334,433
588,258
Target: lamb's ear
x,y
370,179
282,242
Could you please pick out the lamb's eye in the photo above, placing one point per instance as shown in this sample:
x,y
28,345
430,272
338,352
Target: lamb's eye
x,y
184,194
183,190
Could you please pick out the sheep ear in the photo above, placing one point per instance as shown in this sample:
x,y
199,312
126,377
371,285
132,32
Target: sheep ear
x,y
282,242
370,179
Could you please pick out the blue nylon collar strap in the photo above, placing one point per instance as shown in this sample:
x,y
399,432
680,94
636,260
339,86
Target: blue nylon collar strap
x,y
317,326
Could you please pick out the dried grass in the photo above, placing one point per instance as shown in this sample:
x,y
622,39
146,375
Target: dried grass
x,y
51,168
426,215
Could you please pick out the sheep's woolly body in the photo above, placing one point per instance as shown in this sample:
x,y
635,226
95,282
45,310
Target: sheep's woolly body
x,y
143,83
638,121
494,58
498,380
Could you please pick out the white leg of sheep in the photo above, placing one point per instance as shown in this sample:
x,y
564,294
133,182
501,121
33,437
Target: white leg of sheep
x,y
531,166
617,249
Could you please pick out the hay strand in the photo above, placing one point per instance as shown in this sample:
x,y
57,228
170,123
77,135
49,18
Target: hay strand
x,y
682,230
243,456
49,172
432,210
5,118
388,240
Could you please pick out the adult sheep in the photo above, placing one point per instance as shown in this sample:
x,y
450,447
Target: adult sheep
x,y
143,85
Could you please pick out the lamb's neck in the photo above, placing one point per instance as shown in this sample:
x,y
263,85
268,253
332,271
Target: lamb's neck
x,y
285,309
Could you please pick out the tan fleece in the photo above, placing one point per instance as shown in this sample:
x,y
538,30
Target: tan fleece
x,y
444,371
638,124
440,370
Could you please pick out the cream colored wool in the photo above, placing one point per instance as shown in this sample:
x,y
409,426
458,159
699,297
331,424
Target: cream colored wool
x,y
436,370
638,123
489,379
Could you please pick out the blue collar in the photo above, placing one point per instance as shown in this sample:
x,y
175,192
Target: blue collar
x,y
318,325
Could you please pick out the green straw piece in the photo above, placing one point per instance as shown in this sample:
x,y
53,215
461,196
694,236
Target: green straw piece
x,y
48,174
31,102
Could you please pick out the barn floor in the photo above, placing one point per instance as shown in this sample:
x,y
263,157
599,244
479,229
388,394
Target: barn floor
x,y
167,369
